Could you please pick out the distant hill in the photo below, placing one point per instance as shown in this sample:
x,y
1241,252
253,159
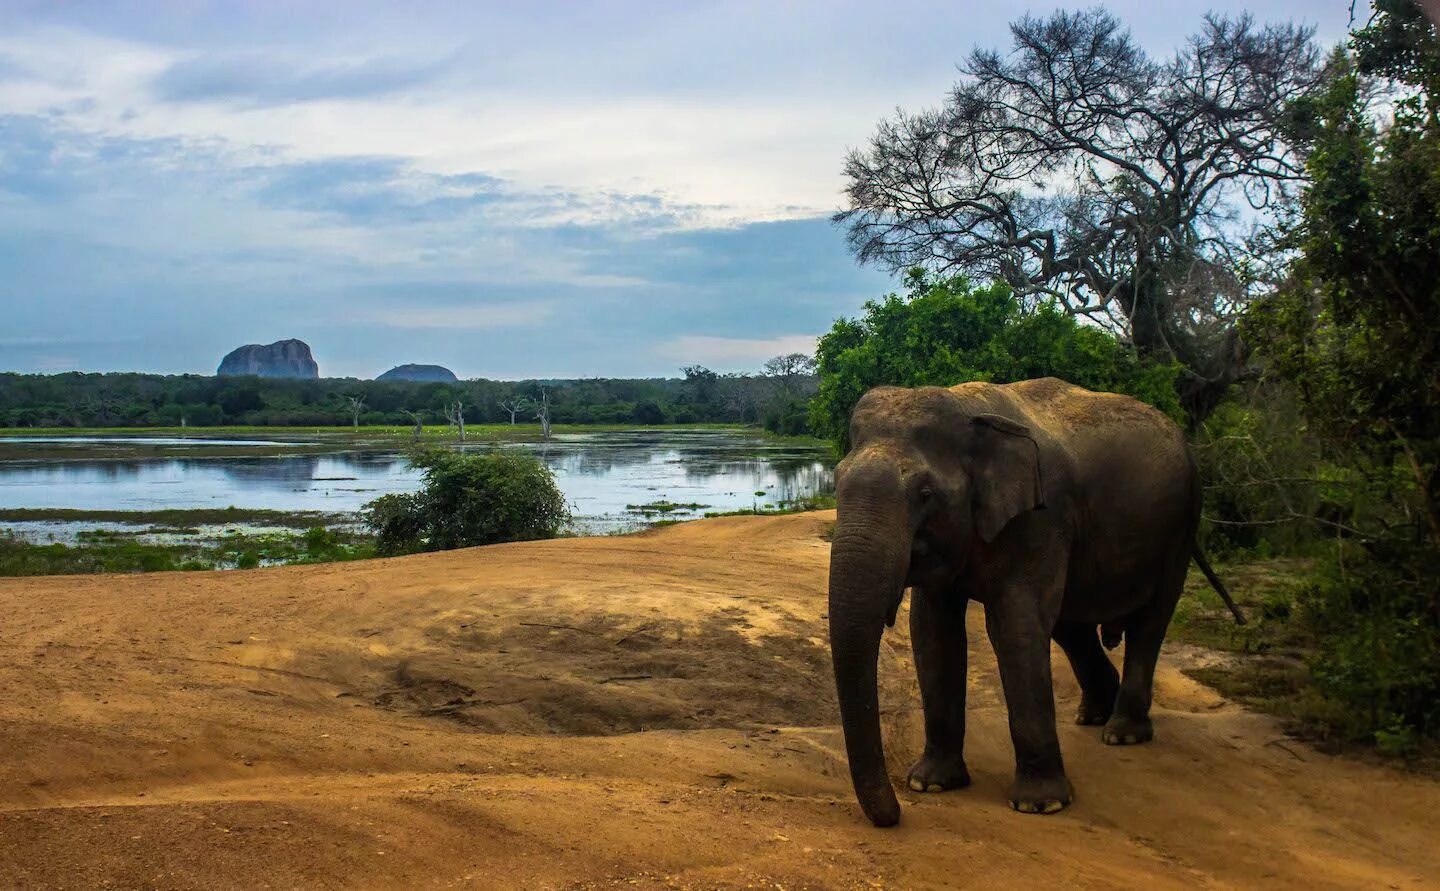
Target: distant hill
x,y
436,373
283,358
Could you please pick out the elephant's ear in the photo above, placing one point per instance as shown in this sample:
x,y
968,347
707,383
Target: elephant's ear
x,y
1007,478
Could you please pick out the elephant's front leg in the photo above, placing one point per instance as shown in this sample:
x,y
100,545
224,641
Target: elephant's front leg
x,y
1021,639
937,635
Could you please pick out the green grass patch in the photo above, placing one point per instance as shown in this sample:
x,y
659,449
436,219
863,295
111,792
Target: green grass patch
x,y
1265,591
176,520
794,506
1270,671
109,551
663,507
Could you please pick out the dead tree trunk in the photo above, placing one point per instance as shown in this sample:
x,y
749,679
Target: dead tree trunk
x,y
356,404
542,413
514,407
455,417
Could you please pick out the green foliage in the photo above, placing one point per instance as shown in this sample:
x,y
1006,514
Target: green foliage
x,y
648,412
150,400
947,332
1372,612
1263,476
467,500
790,417
1355,331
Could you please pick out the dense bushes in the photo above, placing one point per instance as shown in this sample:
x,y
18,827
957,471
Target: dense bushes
x,y
1265,482
152,400
787,418
469,499
1372,611
948,332
1354,334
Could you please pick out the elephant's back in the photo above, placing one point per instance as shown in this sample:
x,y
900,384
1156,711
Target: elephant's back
x,y
1104,427
1075,411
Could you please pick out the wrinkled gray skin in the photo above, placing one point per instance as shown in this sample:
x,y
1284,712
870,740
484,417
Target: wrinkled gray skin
x,y
1059,510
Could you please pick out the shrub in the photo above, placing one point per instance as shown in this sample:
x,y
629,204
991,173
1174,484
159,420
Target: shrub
x,y
948,332
789,418
1371,610
1355,328
468,500
647,412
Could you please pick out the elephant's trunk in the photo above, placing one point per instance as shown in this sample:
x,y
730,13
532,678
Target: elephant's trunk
x,y
868,562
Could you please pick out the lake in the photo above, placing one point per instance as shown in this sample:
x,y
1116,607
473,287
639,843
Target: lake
x,y
605,476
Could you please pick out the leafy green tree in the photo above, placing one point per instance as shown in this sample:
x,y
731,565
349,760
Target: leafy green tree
x,y
647,412
701,386
947,332
1356,330
469,500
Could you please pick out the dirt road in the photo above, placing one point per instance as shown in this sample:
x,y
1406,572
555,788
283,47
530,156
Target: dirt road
x,y
653,711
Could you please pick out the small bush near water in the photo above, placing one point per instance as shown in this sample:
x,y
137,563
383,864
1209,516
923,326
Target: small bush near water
x,y
469,500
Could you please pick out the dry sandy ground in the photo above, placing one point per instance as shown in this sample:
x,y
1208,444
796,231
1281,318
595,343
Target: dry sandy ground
x,y
652,711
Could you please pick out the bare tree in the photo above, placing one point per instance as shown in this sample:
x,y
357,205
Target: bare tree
x,y
514,405
357,404
1078,169
418,420
455,416
542,413
743,396
791,374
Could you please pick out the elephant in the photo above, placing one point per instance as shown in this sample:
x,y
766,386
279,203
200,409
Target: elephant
x,y
1062,511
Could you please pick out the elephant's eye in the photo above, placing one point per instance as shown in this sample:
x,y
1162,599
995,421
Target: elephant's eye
x,y
926,493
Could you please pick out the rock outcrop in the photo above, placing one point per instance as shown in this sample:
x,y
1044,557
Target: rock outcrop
x,y
428,373
283,358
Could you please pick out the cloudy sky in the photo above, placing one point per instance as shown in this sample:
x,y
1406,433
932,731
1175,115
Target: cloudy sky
x,y
511,189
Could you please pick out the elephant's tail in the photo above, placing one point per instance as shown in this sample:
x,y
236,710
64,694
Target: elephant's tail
x,y
1215,583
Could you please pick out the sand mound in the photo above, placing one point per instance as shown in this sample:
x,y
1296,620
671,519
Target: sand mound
x,y
645,711
601,673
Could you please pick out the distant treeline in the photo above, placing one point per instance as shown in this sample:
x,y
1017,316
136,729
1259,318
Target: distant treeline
x,y
774,397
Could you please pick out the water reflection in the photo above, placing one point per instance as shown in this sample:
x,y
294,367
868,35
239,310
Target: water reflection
x,y
269,473
601,474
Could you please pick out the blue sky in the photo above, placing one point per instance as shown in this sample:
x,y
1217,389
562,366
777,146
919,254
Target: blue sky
x,y
517,189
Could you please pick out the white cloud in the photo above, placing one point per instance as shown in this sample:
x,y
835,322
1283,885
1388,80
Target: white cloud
x,y
724,161
731,352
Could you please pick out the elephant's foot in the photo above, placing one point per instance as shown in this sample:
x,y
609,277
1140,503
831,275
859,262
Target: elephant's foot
x,y
1123,731
1092,713
936,772
1040,795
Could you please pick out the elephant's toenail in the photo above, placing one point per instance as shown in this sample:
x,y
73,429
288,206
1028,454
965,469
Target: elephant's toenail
x,y
1052,806
917,785
934,787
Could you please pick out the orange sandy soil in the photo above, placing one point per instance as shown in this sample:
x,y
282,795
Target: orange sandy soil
x,y
653,710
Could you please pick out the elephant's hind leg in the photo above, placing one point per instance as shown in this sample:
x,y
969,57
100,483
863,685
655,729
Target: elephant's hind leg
x,y
1144,633
937,635
1099,681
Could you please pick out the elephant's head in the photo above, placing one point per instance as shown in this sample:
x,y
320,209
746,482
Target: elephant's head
x,y
931,475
